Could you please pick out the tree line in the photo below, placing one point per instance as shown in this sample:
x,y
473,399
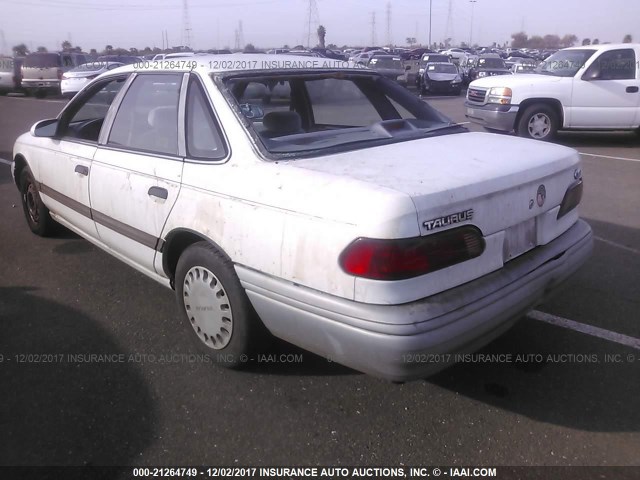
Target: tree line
x,y
522,40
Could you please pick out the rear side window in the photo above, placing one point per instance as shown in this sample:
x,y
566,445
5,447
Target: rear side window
x,y
203,136
148,115
43,60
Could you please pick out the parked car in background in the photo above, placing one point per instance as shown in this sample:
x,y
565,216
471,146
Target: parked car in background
x,y
456,54
17,73
327,53
406,250
164,56
75,79
389,66
415,54
429,58
42,72
124,59
276,51
441,78
7,75
595,87
524,68
466,64
488,66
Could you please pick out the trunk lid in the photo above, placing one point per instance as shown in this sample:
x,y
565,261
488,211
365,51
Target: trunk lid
x,y
486,180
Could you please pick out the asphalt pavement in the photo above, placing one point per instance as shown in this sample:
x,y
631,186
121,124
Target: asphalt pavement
x,y
96,365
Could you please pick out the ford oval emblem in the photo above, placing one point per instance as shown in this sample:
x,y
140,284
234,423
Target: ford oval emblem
x,y
541,196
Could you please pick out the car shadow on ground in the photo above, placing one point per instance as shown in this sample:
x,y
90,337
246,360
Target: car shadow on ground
x,y
560,376
599,139
5,170
60,406
580,392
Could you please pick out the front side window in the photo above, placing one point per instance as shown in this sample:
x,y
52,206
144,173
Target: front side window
x,y
331,111
85,116
203,135
148,115
613,65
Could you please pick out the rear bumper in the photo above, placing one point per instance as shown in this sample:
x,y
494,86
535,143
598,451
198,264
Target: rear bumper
x,y
397,342
492,116
47,85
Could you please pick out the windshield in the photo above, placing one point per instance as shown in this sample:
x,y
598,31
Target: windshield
x,y
386,62
42,60
491,63
442,68
435,58
313,113
565,63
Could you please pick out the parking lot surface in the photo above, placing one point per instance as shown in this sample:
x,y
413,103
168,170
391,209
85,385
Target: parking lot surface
x,y
119,385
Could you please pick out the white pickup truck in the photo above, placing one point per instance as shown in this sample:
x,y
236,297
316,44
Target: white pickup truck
x,y
593,87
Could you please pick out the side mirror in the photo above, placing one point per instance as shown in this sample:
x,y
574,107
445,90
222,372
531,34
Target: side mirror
x,y
45,128
407,68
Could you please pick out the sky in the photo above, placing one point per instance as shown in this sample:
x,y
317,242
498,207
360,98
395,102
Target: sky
x,y
274,23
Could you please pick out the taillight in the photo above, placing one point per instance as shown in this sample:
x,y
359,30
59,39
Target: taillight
x,y
572,198
60,74
411,257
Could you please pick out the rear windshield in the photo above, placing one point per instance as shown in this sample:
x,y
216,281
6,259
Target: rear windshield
x,y
119,58
442,68
302,114
42,60
491,63
435,58
386,62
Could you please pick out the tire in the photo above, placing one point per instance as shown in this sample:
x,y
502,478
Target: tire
x,y
215,306
539,122
36,213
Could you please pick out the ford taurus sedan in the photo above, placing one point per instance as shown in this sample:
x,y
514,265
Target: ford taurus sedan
x,y
344,215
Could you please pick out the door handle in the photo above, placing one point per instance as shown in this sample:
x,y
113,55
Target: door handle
x,y
158,192
632,89
82,170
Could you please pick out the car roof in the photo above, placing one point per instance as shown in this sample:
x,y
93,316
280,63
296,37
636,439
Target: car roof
x,y
241,62
605,46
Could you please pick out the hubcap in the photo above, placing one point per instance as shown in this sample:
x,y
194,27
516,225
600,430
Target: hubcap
x,y
208,307
539,125
30,198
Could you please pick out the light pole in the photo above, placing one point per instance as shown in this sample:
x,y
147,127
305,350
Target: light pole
x,y
430,5
473,4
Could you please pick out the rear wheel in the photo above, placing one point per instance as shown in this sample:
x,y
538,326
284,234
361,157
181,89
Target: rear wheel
x,y
35,211
539,122
225,325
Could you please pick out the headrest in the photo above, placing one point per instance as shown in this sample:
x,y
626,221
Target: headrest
x,y
282,122
163,117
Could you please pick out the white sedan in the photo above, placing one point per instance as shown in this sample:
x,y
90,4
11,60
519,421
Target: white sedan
x,y
74,80
347,217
